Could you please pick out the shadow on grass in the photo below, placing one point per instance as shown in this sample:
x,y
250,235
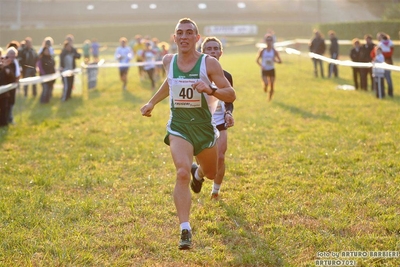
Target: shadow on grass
x,y
304,113
3,134
258,251
395,99
93,93
340,81
68,108
130,97
39,112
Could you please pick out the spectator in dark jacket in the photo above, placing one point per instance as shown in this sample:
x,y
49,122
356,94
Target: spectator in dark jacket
x,y
365,56
29,59
317,46
355,55
7,76
46,65
334,50
67,62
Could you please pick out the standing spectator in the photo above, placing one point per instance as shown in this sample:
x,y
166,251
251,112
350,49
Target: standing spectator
x,y
21,48
86,51
46,65
3,96
67,62
266,60
29,58
17,46
123,54
317,46
378,73
70,39
149,57
365,56
13,54
48,42
355,55
95,50
387,50
7,76
158,57
334,50
138,50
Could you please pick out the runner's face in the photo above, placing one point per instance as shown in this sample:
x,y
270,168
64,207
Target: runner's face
x,y
185,36
212,48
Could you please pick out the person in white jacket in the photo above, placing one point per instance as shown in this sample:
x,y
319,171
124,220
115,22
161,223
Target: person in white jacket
x,y
379,73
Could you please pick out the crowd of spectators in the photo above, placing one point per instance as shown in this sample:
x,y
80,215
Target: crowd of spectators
x,y
24,61
376,53
21,60
361,52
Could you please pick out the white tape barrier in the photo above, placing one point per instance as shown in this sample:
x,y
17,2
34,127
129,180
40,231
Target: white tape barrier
x,y
101,64
280,46
68,73
8,87
350,63
39,79
307,41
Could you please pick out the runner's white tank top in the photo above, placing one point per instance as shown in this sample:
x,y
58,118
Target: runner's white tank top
x,y
182,96
268,59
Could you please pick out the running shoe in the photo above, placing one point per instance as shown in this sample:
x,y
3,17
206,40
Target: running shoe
x,y
186,240
194,183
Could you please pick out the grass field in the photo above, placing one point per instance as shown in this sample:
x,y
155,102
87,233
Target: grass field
x,y
317,170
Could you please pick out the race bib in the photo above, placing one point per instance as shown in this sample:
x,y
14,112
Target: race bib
x,y
184,96
269,62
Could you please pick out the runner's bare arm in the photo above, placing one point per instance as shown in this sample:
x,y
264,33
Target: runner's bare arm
x,y
162,93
